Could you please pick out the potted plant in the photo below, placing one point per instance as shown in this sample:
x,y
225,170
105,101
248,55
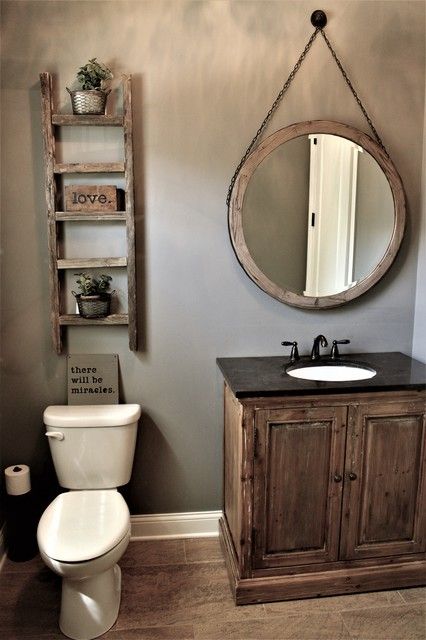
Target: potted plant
x,y
91,98
94,301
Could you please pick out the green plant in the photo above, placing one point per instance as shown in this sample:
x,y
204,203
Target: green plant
x,y
91,286
93,75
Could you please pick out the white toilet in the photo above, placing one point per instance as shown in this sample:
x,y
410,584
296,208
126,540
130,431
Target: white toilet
x,y
83,533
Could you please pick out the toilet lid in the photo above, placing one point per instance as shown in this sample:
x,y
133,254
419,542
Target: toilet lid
x,y
82,525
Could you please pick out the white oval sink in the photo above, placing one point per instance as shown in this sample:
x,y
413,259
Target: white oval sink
x,y
333,372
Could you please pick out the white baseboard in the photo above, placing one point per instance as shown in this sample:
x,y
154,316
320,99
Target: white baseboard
x,y
196,524
2,547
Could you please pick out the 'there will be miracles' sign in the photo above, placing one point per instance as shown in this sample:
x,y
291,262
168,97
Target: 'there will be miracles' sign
x,y
93,379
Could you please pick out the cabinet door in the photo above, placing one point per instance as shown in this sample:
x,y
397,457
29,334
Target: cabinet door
x,y
298,469
384,510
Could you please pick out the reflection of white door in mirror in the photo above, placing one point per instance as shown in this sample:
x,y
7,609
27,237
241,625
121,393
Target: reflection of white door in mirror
x,y
331,215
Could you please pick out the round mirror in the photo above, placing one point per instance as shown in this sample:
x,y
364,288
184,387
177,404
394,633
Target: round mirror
x,y
317,214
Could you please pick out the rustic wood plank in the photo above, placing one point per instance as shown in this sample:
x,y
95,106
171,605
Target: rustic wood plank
x,y
247,477
297,500
70,120
385,482
90,263
130,206
49,146
90,216
393,447
228,550
332,566
328,583
233,460
342,399
241,249
303,495
74,319
89,167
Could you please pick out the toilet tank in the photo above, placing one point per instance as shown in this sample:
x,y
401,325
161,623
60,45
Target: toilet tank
x,y
92,446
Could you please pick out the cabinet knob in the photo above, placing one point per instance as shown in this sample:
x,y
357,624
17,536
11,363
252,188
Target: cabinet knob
x,y
352,476
337,477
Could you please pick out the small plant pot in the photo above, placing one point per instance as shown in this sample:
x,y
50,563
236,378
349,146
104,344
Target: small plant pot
x,y
96,306
88,102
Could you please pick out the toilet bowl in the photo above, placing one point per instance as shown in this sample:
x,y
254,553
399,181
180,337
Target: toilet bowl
x,y
83,533
81,537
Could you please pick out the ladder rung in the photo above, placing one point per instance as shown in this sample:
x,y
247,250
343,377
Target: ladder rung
x,y
74,319
99,216
91,263
89,167
69,120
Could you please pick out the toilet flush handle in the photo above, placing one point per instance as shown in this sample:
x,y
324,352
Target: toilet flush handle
x,y
55,434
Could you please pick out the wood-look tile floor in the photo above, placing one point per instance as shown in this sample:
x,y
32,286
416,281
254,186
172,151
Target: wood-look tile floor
x,y
178,589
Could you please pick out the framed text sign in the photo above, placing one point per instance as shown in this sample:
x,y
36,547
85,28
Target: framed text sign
x,y
84,197
92,379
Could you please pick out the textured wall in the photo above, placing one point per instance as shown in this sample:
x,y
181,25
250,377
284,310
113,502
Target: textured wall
x,y
205,74
419,333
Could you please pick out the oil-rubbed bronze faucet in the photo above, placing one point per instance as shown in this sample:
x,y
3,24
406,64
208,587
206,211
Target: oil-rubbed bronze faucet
x,y
319,340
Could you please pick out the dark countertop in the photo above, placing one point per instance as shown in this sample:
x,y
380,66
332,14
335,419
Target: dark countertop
x,y
265,376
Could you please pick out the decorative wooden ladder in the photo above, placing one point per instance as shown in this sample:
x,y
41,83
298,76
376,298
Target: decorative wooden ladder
x,y
54,196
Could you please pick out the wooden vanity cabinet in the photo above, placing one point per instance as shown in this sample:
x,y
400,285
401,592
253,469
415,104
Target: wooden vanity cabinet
x,y
324,494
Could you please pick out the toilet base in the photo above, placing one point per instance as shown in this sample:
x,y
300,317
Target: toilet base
x,y
89,607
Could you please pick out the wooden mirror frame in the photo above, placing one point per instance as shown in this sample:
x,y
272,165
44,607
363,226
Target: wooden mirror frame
x,y
237,200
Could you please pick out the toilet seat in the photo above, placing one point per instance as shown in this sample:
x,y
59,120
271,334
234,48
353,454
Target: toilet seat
x,y
82,525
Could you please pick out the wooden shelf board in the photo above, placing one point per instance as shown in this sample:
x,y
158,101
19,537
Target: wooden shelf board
x,y
75,319
89,167
70,120
69,216
90,263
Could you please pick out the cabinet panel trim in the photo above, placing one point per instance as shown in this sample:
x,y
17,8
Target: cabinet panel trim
x,y
317,418
357,504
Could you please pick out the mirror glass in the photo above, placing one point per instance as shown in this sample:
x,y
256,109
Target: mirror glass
x,y
315,216
318,214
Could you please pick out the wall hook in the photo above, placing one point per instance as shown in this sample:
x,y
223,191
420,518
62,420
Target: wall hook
x,y
319,19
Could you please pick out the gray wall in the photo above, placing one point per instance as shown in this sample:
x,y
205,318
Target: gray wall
x,y
419,334
205,74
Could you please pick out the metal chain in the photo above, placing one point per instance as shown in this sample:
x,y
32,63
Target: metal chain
x,y
271,111
354,93
283,91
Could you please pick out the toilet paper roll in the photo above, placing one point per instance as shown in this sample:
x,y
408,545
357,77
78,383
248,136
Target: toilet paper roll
x,y
18,479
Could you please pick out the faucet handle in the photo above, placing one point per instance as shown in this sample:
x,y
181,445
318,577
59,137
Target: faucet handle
x,y
294,355
335,350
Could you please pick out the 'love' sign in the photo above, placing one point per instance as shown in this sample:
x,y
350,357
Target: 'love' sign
x,y
79,197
